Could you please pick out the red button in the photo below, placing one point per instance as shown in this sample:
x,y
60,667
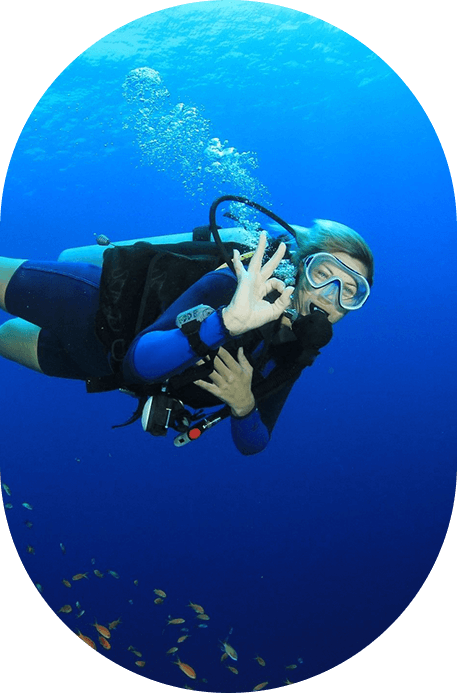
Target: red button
x,y
194,434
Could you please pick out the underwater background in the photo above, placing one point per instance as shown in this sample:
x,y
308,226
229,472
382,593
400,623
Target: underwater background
x,y
310,550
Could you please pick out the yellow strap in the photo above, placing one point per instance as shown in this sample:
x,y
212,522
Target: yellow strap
x,y
245,256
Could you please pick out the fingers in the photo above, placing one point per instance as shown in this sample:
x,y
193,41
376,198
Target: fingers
x,y
271,265
255,263
283,301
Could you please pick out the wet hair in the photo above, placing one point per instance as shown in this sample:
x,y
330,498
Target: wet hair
x,y
332,237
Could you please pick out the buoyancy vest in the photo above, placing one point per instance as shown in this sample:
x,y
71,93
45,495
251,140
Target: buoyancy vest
x,y
139,282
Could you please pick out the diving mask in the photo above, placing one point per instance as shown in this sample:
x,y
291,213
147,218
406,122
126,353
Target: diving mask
x,y
327,273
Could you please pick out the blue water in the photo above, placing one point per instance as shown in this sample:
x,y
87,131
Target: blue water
x,y
310,550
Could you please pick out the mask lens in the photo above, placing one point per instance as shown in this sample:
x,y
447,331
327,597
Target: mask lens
x,y
325,270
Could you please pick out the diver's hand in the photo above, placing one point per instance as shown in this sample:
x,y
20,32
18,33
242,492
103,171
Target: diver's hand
x,y
248,310
231,382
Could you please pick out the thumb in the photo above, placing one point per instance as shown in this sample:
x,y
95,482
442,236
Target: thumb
x,y
283,301
241,357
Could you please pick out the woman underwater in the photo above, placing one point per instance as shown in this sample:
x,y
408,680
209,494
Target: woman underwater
x,y
242,340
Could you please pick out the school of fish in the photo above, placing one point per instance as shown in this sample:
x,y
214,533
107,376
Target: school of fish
x,y
158,597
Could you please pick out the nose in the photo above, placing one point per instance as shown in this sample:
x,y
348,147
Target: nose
x,y
331,290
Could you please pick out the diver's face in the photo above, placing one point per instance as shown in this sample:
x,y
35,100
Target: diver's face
x,y
305,295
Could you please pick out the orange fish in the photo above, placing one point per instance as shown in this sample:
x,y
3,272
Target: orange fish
x,y
183,638
98,573
224,656
177,620
140,663
66,609
78,577
203,616
232,669
113,625
66,583
106,644
102,630
260,686
158,601
171,650
160,593
197,608
87,640
186,669
260,660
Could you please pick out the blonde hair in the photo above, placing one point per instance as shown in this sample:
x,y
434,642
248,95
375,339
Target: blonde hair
x,y
332,237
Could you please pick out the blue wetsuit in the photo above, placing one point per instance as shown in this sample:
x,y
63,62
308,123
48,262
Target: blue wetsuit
x,y
62,299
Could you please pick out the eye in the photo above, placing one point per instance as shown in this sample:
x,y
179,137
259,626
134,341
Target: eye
x,y
320,275
348,292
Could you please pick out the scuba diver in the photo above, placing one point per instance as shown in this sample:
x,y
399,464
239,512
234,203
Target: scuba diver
x,y
171,326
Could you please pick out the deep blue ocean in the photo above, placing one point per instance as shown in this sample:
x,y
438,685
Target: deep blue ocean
x,y
312,549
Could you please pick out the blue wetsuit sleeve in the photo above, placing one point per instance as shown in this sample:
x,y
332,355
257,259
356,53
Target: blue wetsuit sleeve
x,y
251,434
162,350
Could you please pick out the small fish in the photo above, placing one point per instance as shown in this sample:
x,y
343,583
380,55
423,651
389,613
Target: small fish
x,y
103,631
66,609
300,660
160,593
137,653
87,640
66,583
260,660
158,601
131,602
196,608
229,650
80,614
78,577
140,663
184,629
27,506
114,574
232,669
28,524
202,626
78,605
62,547
30,549
186,669
8,506
260,686
135,581
114,624
106,644
176,620
224,656
92,561
291,667
98,573
183,638
287,681
102,240
6,488
171,650
203,617
39,587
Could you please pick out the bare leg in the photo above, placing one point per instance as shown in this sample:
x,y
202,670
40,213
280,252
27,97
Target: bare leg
x,y
8,267
19,342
